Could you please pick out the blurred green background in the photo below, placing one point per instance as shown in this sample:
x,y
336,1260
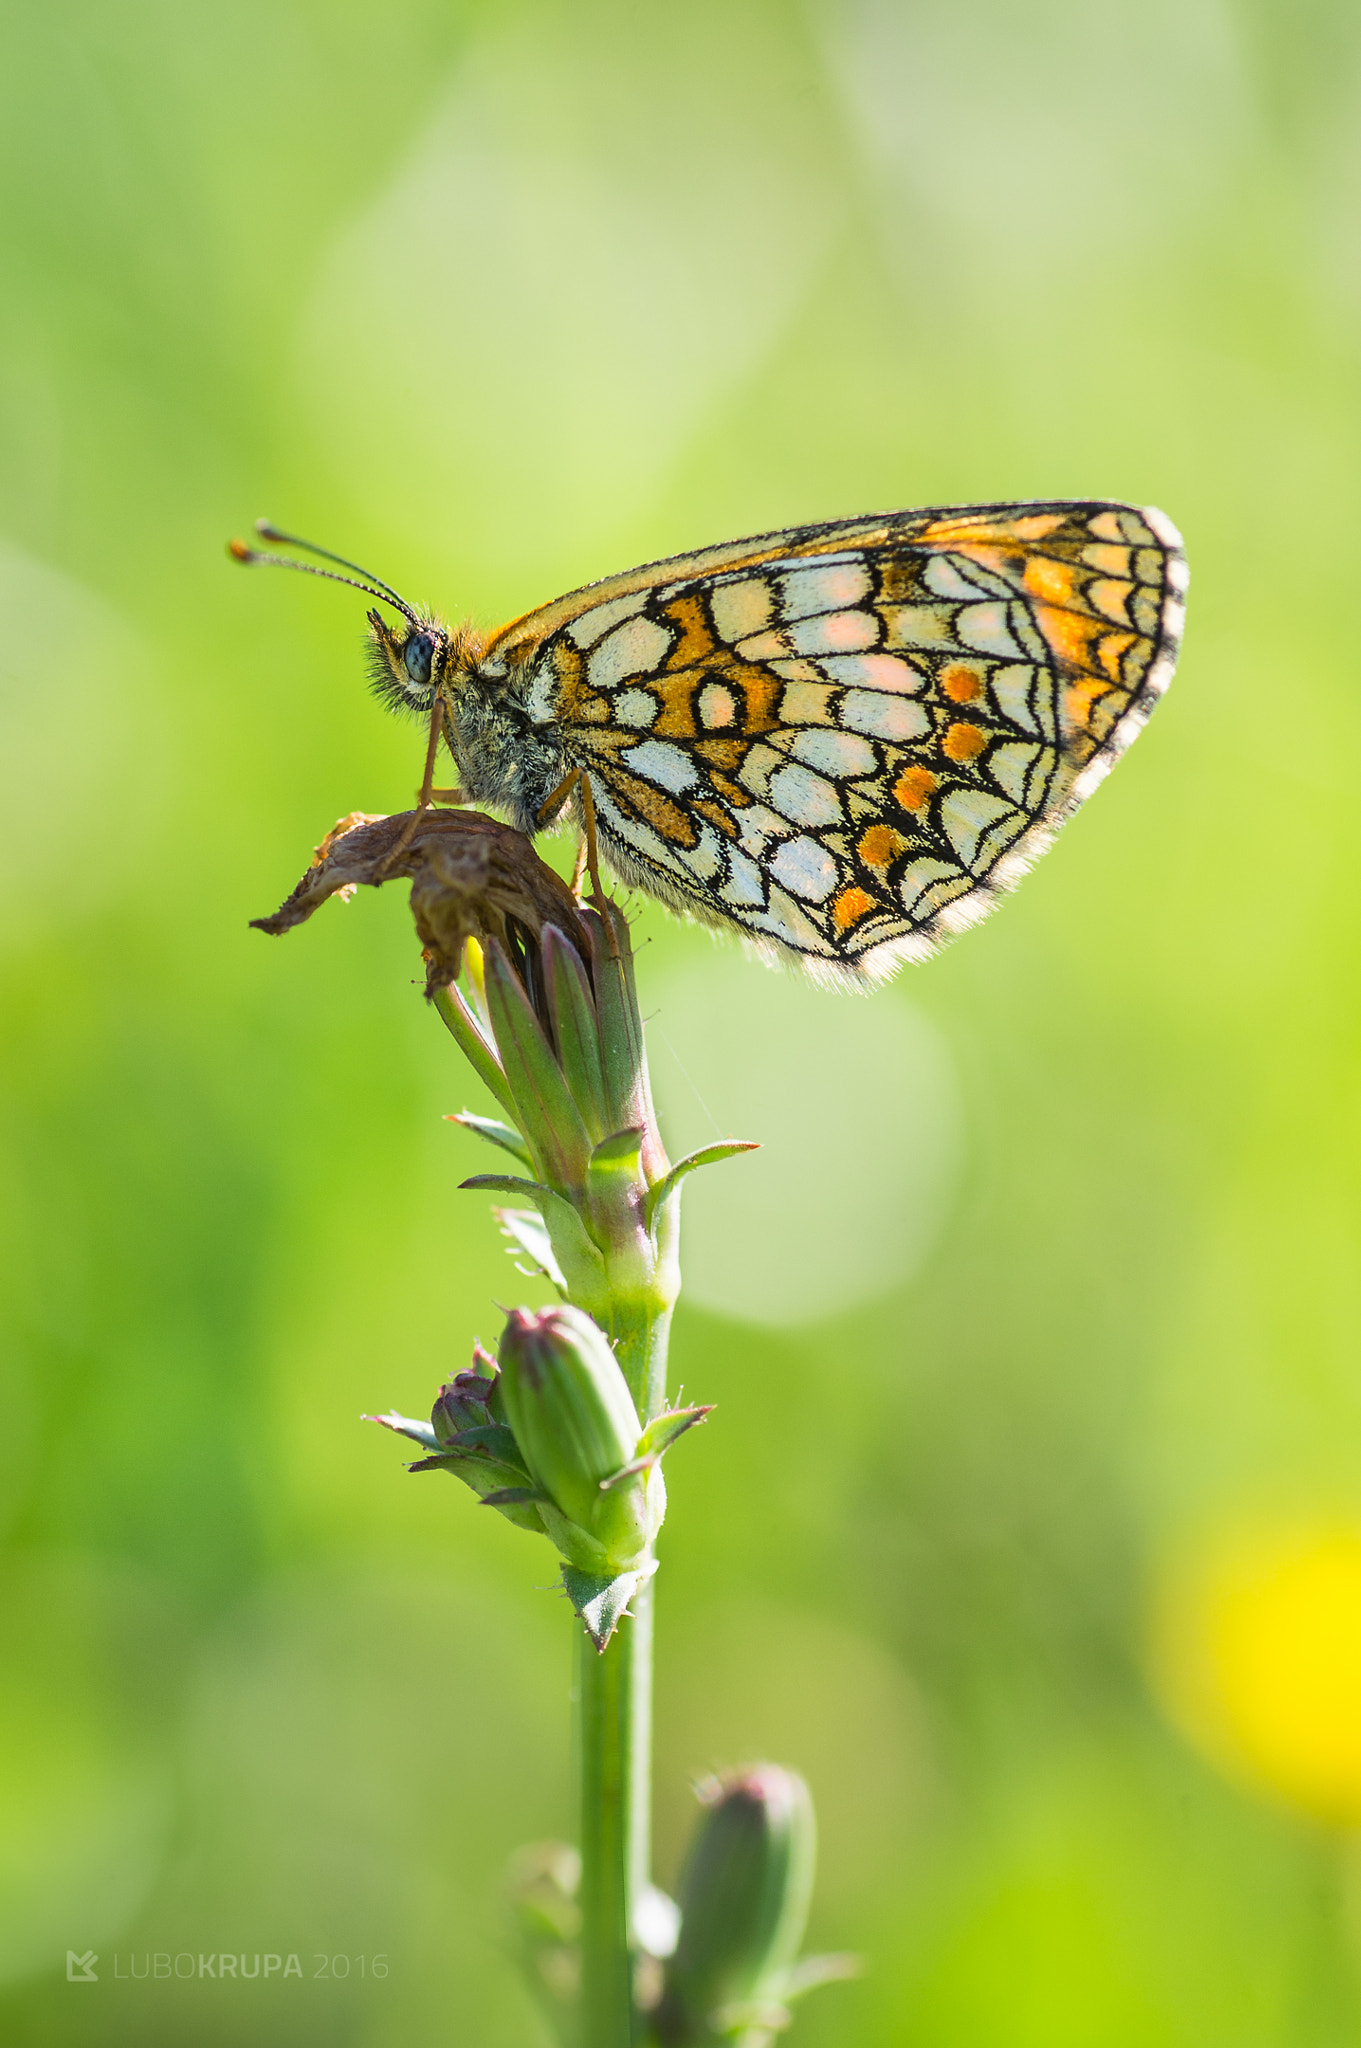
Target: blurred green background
x,y
1027,1523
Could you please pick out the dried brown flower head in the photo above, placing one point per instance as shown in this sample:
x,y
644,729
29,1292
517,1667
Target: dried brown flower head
x,y
471,878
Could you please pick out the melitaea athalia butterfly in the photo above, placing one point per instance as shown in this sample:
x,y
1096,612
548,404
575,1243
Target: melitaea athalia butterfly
x,y
843,741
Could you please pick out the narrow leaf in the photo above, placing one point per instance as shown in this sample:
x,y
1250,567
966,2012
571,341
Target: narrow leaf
x,y
419,1432
575,1257
708,1155
526,1228
473,1043
512,1497
656,1440
496,1133
507,1184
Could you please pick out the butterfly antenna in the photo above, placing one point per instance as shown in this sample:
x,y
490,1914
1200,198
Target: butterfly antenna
x,y
362,579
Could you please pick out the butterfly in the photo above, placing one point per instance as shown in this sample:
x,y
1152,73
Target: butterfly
x,y
844,741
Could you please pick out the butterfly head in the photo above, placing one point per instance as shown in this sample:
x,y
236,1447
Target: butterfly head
x,y
409,663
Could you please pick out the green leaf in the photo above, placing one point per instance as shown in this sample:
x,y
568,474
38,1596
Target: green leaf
x,y
506,1184
708,1155
419,1432
656,1440
492,1438
544,1106
496,1133
600,1603
577,1027
526,1228
579,1268
474,1044
496,1485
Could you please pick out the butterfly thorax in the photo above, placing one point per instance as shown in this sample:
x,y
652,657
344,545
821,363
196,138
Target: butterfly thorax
x,y
503,733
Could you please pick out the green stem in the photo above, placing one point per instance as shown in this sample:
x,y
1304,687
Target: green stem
x,y
639,1333
640,1738
613,1718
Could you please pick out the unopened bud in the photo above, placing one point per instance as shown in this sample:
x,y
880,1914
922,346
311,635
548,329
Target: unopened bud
x,y
463,1403
575,1423
744,1901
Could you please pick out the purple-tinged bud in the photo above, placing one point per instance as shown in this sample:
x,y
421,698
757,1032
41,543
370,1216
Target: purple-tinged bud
x,y
744,1900
463,1403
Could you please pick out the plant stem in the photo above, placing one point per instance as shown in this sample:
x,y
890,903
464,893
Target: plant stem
x,y
639,1760
614,1723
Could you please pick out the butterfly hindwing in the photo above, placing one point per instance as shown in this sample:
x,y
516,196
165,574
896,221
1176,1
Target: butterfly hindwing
x,y
848,739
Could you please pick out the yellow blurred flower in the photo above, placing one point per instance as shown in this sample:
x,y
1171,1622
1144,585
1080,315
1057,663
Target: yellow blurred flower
x,y
1256,1654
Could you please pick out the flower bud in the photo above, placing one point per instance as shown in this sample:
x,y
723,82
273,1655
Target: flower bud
x,y
576,1426
744,1900
463,1403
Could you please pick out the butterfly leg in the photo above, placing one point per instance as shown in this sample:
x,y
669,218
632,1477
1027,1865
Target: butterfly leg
x,y
589,855
425,795
551,805
592,864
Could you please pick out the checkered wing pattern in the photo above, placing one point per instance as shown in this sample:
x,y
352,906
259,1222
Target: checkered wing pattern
x,y
848,739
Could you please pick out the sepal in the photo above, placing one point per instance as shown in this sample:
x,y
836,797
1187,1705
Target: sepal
x,y
601,1602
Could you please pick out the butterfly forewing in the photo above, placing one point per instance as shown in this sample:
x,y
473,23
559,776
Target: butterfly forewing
x,y
847,739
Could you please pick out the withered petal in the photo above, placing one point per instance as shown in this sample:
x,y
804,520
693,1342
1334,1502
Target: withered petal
x,y
471,878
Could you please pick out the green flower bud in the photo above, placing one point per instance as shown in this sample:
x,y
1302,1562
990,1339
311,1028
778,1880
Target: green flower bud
x,y
577,1429
744,1900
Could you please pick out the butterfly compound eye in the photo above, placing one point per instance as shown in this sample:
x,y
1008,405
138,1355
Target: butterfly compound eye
x,y
417,656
